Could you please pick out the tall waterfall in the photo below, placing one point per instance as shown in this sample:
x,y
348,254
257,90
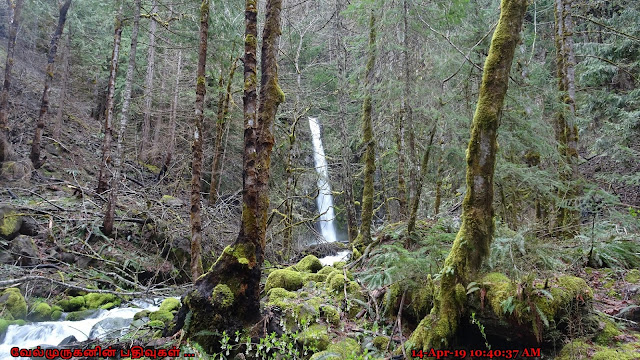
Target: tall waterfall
x,y
325,198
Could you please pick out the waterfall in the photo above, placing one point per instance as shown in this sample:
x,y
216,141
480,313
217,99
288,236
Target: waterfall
x,y
325,198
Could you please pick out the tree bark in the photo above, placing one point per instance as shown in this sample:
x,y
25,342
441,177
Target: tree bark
x,y
406,118
196,147
108,121
364,237
15,8
227,297
221,128
107,224
472,243
148,84
411,224
44,106
567,223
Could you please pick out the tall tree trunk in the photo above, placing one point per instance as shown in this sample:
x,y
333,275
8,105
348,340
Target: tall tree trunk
x,y
148,83
65,84
44,106
196,147
172,120
415,202
227,297
364,237
406,122
471,245
15,7
107,224
108,121
402,184
566,129
347,177
221,127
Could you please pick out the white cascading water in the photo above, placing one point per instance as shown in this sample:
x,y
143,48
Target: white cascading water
x,y
51,333
325,198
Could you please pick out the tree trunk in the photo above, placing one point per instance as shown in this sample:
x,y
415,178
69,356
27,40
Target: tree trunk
x,y
108,130
227,297
406,118
15,7
221,128
148,84
364,237
402,184
65,85
411,225
172,120
471,245
44,106
566,130
196,147
107,224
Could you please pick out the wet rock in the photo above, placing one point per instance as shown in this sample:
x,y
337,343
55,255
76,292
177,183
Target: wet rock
x,y
68,340
111,328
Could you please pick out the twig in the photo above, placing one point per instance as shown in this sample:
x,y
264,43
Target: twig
x,y
70,286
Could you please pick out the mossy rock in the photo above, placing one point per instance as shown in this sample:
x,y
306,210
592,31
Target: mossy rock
x,y
282,278
170,304
12,302
309,263
381,342
162,315
280,297
607,335
327,270
335,282
97,300
80,315
579,349
633,276
141,314
56,315
330,313
315,336
73,304
156,324
4,325
339,265
313,277
345,348
41,312
10,222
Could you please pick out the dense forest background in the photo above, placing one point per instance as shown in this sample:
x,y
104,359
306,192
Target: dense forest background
x,y
566,184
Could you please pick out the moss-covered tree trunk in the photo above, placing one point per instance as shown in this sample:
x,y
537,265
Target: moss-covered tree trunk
x,y
196,146
364,237
227,297
48,79
405,118
173,118
108,121
566,129
221,128
15,7
471,245
65,85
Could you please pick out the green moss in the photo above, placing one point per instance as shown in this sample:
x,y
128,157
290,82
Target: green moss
x,y
41,312
381,342
109,305
18,322
309,263
170,304
10,222
580,349
608,333
325,355
156,324
282,278
339,265
315,336
330,314
56,315
96,300
73,304
222,296
633,276
141,314
80,315
313,277
327,270
345,348
4,324
335,282
499,288
244,253
280,297
13,302
162,315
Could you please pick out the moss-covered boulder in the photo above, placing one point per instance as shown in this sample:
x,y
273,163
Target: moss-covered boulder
x,y
75,303
380,342
12,304
156,324
40,312
24,251
101,301
313,277
330,314
340,350
56,313
315,336
4,324
327,270
10,222
141,314
170,304
335,281
161,315
283,278
309,263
